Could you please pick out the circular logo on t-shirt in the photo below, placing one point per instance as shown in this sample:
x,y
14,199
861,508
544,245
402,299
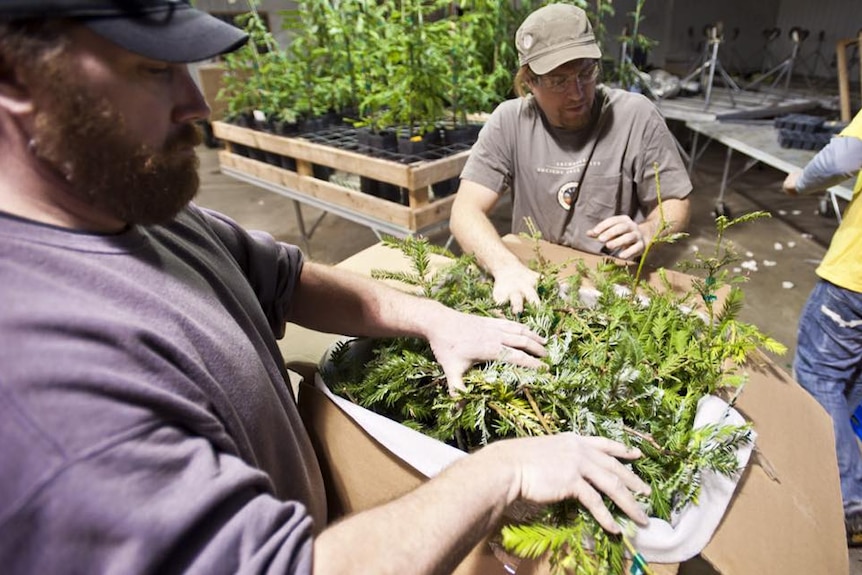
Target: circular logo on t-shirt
x,y
566,195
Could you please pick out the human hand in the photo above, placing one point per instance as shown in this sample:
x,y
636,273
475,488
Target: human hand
x,y
459,340
789,185
621,235
516,284
551,468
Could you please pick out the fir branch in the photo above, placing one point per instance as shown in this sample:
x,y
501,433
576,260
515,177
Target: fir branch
x,y
620,364
646,437
538,412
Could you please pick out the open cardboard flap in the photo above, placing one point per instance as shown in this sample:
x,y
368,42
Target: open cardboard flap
x,y
785,515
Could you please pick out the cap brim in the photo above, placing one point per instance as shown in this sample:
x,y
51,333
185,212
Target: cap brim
x,y
545,64
182,34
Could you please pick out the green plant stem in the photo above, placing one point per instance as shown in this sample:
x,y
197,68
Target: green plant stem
x,y
538,411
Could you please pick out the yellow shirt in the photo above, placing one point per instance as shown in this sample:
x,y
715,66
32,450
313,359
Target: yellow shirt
x,y
842,264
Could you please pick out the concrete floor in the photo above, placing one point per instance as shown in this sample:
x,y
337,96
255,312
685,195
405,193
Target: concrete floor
x,y
786,247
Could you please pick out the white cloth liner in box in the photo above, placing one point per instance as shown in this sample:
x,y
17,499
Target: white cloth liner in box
x,y
660,542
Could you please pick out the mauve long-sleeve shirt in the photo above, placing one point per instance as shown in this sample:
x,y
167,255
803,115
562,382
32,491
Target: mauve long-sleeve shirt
x,y
146,425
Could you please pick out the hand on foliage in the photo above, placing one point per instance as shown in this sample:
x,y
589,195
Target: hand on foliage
x,y
516,284
551,468
464,339
621,236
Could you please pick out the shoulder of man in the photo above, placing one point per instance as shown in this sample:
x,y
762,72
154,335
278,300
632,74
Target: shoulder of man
x,y
620,97
510,112
634,111
514,107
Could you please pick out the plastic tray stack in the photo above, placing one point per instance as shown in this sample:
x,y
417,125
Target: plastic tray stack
x,y
805,132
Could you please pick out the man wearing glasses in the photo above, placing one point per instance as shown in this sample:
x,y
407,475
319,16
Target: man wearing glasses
x,y
584,162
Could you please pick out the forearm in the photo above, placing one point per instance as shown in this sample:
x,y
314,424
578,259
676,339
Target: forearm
x,y
674,212
487,246
838,161
437,524
476,235
428,531
337,301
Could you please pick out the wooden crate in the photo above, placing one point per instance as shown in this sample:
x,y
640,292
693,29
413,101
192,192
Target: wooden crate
x,y
420,215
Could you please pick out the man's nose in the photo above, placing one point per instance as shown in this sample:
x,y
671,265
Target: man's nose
x,y
574,86
190,104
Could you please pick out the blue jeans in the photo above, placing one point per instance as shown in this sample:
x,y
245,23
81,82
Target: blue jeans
x,y
828,365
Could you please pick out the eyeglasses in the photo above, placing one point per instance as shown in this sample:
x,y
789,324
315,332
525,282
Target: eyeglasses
x,y
559,84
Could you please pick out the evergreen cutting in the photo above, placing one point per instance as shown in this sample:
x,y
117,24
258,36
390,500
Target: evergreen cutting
x,y
626,360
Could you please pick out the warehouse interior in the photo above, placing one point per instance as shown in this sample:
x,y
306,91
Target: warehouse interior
x,y
737,68
804,59
652,426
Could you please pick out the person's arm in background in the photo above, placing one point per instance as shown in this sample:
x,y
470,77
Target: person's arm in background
x,y
839,160
469,223
624,238
656,159
676,213
431,529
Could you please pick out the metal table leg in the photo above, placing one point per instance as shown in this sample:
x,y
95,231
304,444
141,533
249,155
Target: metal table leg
x,y
300,220
720,207
692,157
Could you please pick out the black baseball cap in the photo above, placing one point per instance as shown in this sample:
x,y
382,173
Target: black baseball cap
x,y
165,30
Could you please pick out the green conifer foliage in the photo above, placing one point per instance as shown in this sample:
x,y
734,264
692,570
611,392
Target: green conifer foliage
x,y
625,361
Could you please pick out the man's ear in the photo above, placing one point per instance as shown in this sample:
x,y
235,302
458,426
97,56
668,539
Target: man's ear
x,y
14,93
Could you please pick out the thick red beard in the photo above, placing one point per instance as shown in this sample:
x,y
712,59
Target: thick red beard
x,y
83,138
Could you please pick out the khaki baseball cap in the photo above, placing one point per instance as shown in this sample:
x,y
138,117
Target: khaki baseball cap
x,y
553,35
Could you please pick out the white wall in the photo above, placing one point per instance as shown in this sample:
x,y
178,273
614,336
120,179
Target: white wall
x,y
836,19
678,26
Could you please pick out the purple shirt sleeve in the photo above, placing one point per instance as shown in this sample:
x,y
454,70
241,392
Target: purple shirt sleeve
x,y
146,423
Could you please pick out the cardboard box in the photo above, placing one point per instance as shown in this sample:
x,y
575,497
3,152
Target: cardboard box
x,y
786,516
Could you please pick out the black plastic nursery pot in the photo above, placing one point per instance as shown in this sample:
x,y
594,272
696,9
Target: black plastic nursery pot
x,y
378,144
415,147
453,138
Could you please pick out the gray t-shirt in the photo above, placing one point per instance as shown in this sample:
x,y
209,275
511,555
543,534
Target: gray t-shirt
x,y
606,169
146,425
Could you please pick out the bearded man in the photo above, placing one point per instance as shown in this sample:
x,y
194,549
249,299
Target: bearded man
x,y
146,422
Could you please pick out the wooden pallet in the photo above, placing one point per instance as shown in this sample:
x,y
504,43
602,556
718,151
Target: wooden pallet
x,y
421,214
